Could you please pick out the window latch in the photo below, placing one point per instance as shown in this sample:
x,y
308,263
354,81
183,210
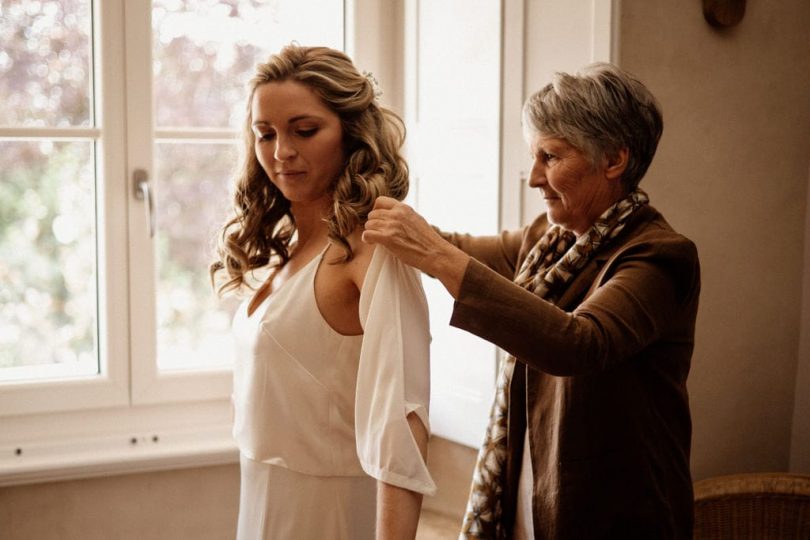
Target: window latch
x,y
140,183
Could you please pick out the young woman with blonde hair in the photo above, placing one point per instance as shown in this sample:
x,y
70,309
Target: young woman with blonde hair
x,y
331,383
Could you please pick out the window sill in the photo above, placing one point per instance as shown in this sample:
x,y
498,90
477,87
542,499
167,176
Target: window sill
x,y
114,455
117,440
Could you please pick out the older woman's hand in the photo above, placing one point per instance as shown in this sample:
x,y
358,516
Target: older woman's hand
x,y
407,235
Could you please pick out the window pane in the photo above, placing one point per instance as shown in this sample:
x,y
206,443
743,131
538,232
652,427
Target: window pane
x,y
459,140
45,63
192,198
205,50
48,305
456,158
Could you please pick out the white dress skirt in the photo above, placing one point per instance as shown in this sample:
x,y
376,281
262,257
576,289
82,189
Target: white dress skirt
x,y
320,417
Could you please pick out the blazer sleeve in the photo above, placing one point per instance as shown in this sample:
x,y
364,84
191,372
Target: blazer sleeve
x,y
393,377
647,290
498,252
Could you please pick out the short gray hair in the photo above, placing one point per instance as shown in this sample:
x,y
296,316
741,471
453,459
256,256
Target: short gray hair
x,y
600,110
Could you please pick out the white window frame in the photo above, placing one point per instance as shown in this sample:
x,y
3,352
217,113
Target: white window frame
x,y
111,387
132,418
463,414
459,409
149,384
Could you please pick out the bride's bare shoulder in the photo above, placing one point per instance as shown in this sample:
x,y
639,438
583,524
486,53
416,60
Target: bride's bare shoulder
x,y
362,253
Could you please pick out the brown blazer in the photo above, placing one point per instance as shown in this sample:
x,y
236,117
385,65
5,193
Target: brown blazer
x,y
601,379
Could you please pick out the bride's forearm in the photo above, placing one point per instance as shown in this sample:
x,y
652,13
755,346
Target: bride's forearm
x,y
398,508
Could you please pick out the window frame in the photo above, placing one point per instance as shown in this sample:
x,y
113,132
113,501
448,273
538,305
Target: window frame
x,y
149,384
131,418
90,426
461,393
110,387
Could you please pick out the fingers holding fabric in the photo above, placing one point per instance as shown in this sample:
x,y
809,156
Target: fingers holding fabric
x,y
411,239
405,233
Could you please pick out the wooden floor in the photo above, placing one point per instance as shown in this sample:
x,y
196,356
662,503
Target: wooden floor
x,y
433,526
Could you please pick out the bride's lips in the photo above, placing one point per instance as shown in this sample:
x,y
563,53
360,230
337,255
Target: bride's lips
x,y
290,175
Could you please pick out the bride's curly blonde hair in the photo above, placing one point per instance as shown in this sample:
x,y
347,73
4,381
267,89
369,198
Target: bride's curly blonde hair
x,y
262,226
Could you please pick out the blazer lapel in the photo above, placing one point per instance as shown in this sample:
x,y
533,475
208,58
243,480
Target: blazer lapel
x,y
586,278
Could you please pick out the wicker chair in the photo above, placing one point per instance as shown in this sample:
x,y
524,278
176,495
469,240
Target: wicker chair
x,y
757,505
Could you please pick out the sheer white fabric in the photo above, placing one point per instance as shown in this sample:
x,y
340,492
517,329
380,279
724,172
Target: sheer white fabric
x,y
524,524
394,375
317,411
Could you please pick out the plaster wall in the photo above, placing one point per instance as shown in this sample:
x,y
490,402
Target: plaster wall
x,y
732,174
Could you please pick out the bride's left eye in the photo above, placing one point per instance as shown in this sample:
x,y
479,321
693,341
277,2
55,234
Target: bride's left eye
x,y
306,133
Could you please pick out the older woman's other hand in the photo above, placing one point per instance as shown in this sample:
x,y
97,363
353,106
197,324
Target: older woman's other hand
x,y
407,235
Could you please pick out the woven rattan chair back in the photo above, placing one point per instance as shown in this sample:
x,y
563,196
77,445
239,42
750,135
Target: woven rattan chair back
x,y
756,505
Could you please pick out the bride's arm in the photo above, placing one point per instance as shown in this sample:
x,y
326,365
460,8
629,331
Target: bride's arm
x,y
393,390
398,508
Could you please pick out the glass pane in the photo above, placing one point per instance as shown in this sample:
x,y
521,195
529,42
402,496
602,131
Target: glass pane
x,y
457,155
48,303
192,197
205,50
45,63
458,143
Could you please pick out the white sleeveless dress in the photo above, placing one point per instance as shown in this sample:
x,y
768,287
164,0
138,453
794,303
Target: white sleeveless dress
x,y
320,416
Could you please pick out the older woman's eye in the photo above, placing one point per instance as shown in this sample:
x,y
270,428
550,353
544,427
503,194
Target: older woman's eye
x,y
544,157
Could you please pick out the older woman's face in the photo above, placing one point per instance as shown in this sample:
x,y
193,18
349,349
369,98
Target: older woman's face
x,y
575,191
299,140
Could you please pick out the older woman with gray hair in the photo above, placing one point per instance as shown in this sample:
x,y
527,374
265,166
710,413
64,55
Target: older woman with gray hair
x,y
595,302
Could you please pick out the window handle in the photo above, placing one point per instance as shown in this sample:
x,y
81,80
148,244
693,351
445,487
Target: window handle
x,y
140,183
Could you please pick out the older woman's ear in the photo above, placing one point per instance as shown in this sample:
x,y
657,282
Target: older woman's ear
x,y
617,164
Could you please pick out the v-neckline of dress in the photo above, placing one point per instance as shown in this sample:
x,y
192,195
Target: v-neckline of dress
x,y
274,294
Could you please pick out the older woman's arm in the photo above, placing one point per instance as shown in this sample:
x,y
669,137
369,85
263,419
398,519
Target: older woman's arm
x,y
498,252
641,291
641,297
440,254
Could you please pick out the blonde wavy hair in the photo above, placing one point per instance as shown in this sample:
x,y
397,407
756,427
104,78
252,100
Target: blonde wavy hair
x,y
262,226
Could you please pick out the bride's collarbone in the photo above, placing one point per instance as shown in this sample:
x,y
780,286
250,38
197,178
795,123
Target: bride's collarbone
x,y
276,279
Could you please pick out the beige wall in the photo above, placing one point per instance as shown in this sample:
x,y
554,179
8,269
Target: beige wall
x,y
199,504
196,503
732,174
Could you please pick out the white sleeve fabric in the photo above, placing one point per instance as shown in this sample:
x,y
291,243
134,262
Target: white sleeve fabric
x,y
393,377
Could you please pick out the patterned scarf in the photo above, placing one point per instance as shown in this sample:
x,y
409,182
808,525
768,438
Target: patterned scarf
x,y
547,270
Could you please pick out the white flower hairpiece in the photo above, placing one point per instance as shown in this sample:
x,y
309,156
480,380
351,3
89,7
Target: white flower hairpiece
x,y
375,85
